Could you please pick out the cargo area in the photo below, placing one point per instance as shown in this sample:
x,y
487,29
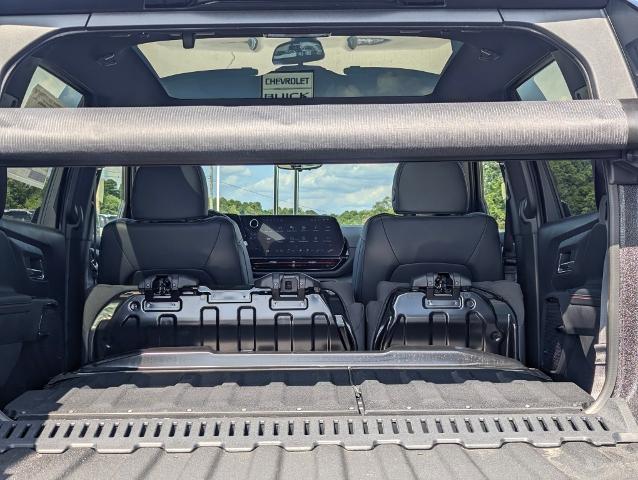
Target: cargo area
x,y
473,400
389,242
468,415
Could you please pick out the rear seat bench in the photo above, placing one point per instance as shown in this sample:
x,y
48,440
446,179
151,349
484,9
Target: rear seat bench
x,y
296,313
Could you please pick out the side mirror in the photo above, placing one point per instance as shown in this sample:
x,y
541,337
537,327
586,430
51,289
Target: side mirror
x,y
298,51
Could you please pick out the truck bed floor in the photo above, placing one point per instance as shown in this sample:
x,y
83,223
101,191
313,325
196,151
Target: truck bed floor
x,y
520,461
298,392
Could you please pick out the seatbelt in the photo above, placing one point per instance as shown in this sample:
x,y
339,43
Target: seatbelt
x,y
600,347
510,261
510,267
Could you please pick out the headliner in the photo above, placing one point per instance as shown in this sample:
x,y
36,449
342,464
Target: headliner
x,y
128,80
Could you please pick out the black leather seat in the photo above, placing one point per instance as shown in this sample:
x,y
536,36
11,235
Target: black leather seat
x,y
170,232
432,232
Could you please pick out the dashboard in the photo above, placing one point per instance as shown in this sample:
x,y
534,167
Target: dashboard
x,y
293,242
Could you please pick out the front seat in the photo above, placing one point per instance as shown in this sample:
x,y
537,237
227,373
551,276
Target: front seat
x,y
170,232
432,231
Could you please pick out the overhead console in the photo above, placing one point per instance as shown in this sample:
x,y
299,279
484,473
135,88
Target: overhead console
x,y
293,242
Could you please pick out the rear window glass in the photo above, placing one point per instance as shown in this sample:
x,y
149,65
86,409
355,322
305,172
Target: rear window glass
x,y
298,68
45,90
547,84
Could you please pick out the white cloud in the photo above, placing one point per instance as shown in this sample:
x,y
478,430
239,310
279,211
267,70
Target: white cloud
x,y
240,170
335,188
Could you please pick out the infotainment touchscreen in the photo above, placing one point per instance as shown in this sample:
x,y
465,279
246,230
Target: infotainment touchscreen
x,y
289,236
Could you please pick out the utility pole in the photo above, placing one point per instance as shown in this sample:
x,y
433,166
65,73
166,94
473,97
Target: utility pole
x,y
295,200
219,168
275,200
210,187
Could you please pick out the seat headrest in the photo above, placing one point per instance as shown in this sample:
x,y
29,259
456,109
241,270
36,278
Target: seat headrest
x,y
429,188
169,193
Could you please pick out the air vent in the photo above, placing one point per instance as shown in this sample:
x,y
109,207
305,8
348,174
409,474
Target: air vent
x,y
298,433
297,264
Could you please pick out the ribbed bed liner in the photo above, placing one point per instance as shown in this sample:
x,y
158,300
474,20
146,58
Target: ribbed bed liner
x,y
415,432
300,410
298,392
519,461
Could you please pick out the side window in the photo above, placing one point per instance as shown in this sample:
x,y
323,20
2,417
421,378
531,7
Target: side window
x,y
109,198
546,84
25,193
574,181
47,91
26,187
494,193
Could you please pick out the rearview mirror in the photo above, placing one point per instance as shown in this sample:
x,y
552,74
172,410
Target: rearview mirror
x,y
298,51
300,167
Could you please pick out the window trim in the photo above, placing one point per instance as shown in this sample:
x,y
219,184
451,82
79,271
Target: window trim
x,y
52,198
552,208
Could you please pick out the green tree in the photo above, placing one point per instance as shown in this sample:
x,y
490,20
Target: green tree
x,y
111,205
359,217
111,188
112,198
494,192
229,205
574,181
349,217
22,196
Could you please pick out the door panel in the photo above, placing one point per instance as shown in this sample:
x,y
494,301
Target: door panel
x,y
32,261
571,272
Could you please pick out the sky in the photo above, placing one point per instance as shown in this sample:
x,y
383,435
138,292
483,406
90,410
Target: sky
x,y
328,189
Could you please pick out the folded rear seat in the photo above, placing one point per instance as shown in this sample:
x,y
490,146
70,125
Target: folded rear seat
x,y
280,313
447,309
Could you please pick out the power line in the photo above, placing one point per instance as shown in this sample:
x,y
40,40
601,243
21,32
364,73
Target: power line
x,y
264,195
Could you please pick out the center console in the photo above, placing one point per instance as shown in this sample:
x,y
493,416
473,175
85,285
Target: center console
x,y
293,242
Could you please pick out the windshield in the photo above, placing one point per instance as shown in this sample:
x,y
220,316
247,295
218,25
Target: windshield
x,y
350,193
298,68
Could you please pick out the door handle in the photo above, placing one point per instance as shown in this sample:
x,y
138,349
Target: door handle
x,y
35,274
34,268
565,262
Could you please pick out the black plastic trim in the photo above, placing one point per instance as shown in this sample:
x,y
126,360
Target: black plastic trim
x,y
204,359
